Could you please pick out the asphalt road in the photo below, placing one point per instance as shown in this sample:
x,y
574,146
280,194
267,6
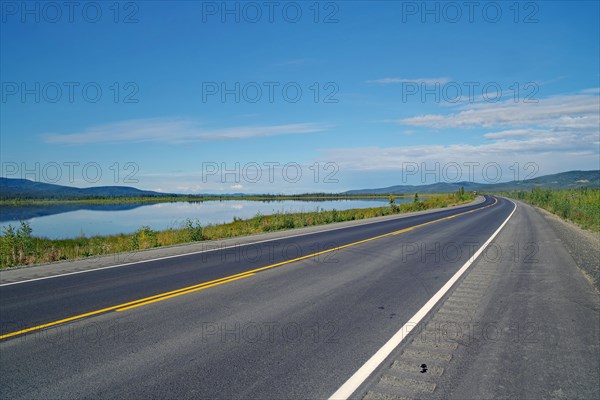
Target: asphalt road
x,y
295,330
42,301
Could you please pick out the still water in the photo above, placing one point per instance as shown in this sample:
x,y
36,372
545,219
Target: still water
x,y
61,221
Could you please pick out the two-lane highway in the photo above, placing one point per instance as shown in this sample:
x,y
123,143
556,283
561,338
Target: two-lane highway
x,y
39,302
238,322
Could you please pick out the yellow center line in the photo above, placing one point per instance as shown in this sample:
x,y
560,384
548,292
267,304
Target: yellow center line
x,y
220,281
182,293
112,308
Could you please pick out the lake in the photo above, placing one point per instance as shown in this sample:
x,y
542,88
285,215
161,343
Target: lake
x,y
61,221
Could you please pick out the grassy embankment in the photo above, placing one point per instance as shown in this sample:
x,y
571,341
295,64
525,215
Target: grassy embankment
x,y
581,206
20,247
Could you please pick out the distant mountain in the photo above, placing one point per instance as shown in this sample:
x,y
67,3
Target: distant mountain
x,y
563,180
440,187
26,189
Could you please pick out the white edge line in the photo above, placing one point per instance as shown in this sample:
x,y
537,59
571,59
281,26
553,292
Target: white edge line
x,y
201,251
350,386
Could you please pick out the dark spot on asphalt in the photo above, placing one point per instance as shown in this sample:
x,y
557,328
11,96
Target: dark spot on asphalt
x,y
392,315
381,307
423,368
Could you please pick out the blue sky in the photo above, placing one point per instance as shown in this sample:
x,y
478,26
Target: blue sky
x,y
369,94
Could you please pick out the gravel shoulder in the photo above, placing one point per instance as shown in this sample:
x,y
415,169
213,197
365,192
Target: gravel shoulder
x,y
583,245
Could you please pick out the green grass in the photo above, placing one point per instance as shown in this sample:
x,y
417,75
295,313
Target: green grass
x,y
581,206
20,246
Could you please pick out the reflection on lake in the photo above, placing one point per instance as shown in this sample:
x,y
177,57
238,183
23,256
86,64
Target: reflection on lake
x,y
59,221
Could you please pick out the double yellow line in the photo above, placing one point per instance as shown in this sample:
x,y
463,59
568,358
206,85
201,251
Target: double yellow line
x,y
231,278
135,303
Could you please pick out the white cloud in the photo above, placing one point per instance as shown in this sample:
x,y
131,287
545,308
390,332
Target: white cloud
x,y
557,133
516,133
174,131
567,111
236,187
426,81
515,158
591,90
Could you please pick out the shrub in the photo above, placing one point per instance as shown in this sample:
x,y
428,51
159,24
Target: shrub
x,y
193,230
581,206
16,246
144,238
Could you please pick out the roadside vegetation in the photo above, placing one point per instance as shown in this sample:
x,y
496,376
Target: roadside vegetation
x,y
581,206
19,246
